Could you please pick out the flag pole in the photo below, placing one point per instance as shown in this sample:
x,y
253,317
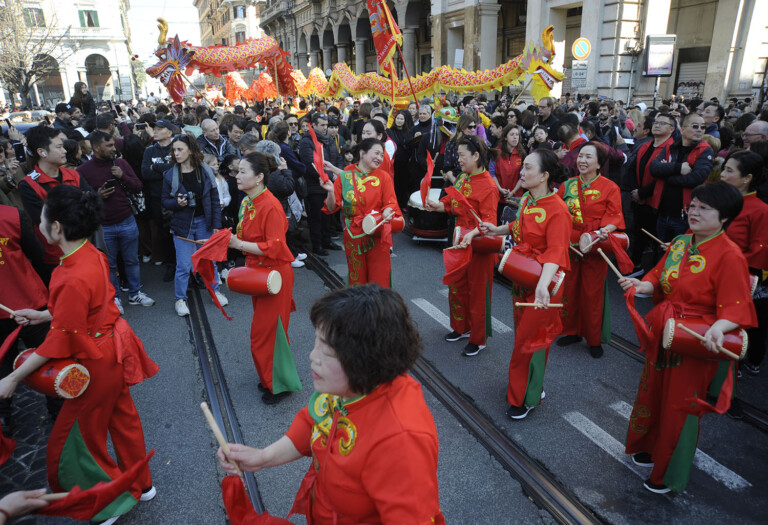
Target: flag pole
x,y
400,52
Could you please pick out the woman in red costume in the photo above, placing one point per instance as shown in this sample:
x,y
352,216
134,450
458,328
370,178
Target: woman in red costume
x,y
86,325
744,169
374,129
470,297
506,170
542,231
358,191
703,275
261,236
595,205
367,428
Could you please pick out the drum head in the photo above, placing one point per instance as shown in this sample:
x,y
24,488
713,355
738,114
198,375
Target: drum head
x,y
584,241
274,282
369,224
415,199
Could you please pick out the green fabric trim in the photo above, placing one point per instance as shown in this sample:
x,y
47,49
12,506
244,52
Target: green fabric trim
x,y
488,323
719,379
536,369
605,334
679,468
285,378
77,466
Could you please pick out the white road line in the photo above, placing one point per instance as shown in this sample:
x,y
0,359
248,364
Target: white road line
x,y
701,460
604,440
433,311
497,325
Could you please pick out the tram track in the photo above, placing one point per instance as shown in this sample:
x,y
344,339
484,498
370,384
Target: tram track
x,y
219,398
537,482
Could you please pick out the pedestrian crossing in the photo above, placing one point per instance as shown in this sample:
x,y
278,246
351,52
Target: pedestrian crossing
x,y
437,314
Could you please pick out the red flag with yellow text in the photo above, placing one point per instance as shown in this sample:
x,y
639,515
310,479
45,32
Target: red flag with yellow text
x,y
386,35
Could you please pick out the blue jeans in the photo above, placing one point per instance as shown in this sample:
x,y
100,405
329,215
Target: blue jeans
x,y
184,250
669,227
123,238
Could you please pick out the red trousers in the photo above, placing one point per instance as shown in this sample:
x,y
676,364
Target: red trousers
x,y
372,266
79,436
271,314
469,298
659,425
583,298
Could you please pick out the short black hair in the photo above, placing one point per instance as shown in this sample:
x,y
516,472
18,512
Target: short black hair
x,y
371,331
97,137
548,161
104,120
261,163
378,127
79,212
40,137
723,197
477,145
500,122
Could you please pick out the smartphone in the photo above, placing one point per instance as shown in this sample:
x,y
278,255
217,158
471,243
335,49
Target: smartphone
x,y
141,125
110,183
18,150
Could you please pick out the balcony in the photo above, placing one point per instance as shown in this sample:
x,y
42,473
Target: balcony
x,y
276,10
95,33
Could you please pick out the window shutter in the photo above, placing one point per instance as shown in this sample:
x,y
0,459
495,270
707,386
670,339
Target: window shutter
x,y
82,18
95,18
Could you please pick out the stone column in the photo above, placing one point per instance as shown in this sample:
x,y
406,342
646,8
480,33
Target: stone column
x,y
488,14
343,52
313,59
360,56
327,58
409,49
302,65
721,55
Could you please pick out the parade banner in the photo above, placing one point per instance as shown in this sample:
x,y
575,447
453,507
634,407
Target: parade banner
x,y
386,35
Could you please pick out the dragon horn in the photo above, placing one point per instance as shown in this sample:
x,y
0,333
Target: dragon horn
x,y
163,27
548,38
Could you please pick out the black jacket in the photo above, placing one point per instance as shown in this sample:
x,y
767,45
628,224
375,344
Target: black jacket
x,y
306,152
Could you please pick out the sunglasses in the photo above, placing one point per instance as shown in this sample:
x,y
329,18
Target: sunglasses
x,y
697,126
471,127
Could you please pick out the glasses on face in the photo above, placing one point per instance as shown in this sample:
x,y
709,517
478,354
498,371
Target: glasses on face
x,y
471,127
293,124
661,123
745,134
510,117
696,126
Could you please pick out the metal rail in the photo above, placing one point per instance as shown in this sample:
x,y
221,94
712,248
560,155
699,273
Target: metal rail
x,y
216,388
541,486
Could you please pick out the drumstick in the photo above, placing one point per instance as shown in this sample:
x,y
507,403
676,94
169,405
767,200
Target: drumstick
x,y
649,234
596,239
54,497
550,305
8,310
217,432
476,216
577,251
191,240
615,270
720,349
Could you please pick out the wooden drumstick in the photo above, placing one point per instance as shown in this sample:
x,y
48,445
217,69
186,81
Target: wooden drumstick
x,y
550,305
615,270
8,310
649,234
577,251
596,240
191,240
54,497
701,338
476,216
217,432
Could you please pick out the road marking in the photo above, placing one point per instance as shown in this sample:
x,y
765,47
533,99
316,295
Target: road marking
x,y
433,311
604,440
497,325
701,460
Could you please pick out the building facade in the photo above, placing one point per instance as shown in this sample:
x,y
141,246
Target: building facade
x,y
95,48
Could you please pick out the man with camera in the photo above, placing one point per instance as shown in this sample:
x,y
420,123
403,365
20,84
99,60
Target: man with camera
x,y
114,177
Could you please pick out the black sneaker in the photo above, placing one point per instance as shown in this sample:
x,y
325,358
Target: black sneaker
x,y
642,459
596,351
456,336
262,388
753,370
568,340
736,411
514,412
272,399
653,487
472,349
333,246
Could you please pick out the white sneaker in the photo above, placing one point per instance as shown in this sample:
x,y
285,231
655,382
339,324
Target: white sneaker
x,y
110,521
141,299
222,299
119,306
301,256
181,308
146,258
224,273
149,494
297,263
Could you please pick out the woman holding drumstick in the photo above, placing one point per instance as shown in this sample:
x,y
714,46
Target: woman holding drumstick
x,y
702,275
541,231
595,205
261,236
359,191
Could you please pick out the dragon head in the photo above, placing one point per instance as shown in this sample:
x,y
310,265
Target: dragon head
x,y
174,58
537,61
446,119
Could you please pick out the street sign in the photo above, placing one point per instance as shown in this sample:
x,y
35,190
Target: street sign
x,y
579,70
581,48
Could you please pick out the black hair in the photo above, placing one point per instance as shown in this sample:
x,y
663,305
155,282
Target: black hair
x,y
570,118
378,128
718,109
588,126
408,119
71,146
371,332
240,123
133,151
550,163
253,125
40,137
79,212
280,131
104,120
97,137
723,197
261,163
749,163
365,145
500,122
567,130
477,145
318,117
